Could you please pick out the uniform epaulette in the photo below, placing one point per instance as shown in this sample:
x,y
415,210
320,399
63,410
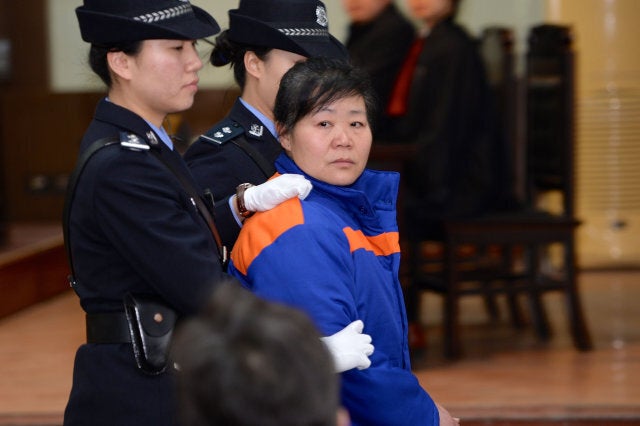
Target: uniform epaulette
x,y
133,142
223,132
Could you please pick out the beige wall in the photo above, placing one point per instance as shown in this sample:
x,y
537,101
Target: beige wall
x,y
607,33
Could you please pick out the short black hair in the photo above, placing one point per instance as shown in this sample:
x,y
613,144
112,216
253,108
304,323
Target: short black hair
x,y
312,84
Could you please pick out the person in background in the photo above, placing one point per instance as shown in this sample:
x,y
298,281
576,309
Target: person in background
x,y
244,361
336,254
442,103
378,40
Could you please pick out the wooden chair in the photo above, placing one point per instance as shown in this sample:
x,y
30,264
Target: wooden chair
x,y
520,239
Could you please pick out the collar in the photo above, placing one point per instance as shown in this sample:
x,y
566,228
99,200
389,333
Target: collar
x,y
374,190
270,125
127,121
164,136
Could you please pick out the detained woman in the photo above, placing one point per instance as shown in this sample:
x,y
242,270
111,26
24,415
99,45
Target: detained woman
x,y
336,253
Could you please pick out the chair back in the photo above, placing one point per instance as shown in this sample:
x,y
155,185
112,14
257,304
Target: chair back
x,y
550,115
496,49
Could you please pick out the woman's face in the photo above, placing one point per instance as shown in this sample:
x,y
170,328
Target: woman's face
x,y
162,78
269,73
332,144
362,11
430,11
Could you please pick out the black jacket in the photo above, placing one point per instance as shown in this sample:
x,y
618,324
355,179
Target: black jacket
x,y
450,116
133,228
221,167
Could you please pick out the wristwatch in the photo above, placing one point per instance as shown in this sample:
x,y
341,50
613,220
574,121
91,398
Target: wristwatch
x,y
242,209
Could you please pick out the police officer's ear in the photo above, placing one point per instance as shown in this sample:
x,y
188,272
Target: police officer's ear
x,y
253,64
120,65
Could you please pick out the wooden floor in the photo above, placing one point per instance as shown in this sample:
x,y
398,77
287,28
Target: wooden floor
x,y
507,376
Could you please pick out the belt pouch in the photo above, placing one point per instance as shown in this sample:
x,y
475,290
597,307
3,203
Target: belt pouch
x,y
151,325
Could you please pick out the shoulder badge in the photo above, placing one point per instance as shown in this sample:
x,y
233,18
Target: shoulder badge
x,y
133,142
223,132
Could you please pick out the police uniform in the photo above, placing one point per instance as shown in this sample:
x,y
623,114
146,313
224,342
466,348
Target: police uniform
x,y
219,163
133,228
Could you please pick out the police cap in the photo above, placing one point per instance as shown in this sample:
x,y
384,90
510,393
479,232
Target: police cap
x,y
109,22
298,26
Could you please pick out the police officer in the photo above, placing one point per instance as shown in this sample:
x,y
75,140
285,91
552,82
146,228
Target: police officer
x,y
264,39
132,227
141,248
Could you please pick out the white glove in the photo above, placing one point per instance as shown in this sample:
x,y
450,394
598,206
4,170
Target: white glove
x,y
350,348
266,196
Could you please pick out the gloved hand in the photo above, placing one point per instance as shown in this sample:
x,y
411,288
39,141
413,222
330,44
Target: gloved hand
x,y
266,196
350,348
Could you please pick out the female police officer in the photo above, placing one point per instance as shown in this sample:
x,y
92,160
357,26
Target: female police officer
x,y
133,228
265,38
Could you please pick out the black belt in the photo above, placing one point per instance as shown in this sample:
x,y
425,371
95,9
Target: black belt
x,y
108,327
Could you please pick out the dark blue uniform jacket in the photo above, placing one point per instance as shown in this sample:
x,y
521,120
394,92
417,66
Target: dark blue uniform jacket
x,y
221,167
133,228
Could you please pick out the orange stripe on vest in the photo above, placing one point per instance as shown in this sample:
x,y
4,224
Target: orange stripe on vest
x,y
381,245
265,228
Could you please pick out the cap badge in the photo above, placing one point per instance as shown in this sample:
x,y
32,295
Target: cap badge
x,y
321,14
